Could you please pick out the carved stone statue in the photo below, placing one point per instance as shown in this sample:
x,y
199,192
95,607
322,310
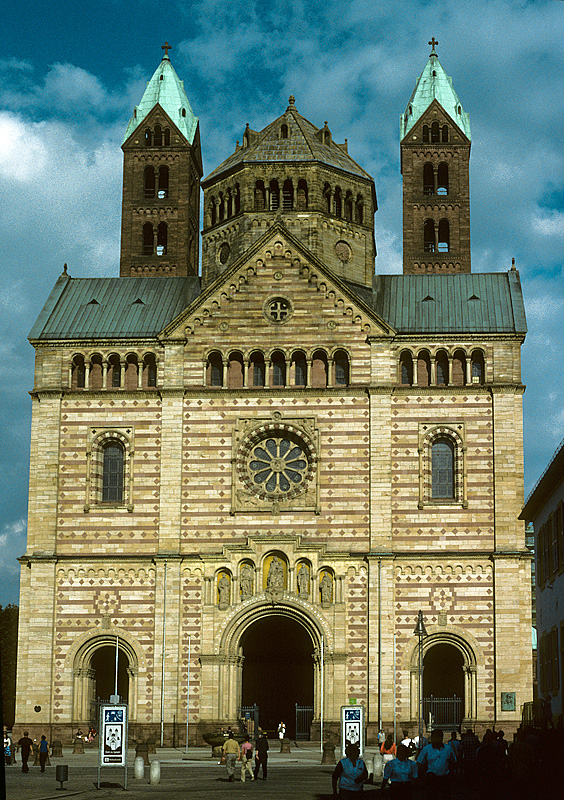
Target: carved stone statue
x,y
326,588
303,580
246,581
275,578
223,586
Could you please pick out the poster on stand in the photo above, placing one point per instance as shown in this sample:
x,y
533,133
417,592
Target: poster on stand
x,y
352,727
113,736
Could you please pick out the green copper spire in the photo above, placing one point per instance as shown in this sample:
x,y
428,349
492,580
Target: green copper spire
x,y
434,84
166,89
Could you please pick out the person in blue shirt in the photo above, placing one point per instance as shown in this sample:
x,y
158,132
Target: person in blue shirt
x,y
349,774
436,761
401,773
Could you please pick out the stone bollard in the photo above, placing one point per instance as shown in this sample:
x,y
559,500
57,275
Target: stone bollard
x,y
139,768
217,752
152,745
155,773
378,766
78,746
285,745
57,749
141,751
328,756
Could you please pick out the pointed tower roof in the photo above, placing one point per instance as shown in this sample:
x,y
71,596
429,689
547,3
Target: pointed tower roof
x,y
167,90
302,142
434,84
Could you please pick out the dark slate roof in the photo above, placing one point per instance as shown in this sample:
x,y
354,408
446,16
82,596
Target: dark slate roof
x,y
104,308
302,145
548,482
463,303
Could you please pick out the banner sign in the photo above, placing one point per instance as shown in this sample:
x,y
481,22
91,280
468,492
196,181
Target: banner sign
x,y
113,736
352,727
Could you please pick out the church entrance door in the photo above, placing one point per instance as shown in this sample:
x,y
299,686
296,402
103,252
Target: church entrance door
x,y
278,670
103,664
443,686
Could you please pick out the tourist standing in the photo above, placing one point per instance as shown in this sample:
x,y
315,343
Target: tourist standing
x,y
349,774
26,746
246,759
436,760
401,772
43,752
261,757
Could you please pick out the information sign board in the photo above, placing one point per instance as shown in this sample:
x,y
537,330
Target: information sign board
x,y
352,727
113,735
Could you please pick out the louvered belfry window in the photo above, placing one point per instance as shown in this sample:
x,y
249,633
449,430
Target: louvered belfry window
x,y
442,465
112,484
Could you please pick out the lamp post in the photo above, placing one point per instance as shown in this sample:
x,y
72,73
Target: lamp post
x,y
420,631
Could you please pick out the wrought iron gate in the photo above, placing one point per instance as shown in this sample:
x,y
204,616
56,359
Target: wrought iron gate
x,y
304,716
443,712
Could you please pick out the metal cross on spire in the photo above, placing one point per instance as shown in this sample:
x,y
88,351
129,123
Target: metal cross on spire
x,y
433,42
166,47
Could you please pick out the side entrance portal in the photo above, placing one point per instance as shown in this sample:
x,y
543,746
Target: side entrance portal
x,y
278,670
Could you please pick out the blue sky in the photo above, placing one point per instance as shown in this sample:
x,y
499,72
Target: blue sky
x,y
71,72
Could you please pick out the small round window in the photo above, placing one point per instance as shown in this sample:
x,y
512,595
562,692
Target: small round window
x,y
224,252
277,310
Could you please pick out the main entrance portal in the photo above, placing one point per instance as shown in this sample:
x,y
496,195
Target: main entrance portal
x,y
443,686
103,665
277,670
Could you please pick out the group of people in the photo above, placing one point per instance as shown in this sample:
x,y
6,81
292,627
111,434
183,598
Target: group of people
x,y
491,768
252,761
25,746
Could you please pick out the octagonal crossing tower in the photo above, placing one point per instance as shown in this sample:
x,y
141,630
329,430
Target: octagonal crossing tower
x,y
162,167
294,173
435,156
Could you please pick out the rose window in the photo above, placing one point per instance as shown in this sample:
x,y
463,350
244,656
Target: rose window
x,y
278,464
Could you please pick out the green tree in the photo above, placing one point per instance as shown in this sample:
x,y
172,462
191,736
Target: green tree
x,y
9,649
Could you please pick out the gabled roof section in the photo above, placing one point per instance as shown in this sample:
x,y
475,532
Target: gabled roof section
x,y
461,303
434,84
304,143
107,308
226,284
167,90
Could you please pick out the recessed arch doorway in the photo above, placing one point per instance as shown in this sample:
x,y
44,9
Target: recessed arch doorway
x,y
278,670
443,686
103,665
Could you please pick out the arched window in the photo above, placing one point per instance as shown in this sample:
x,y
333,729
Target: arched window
x,y
112,473
257,368
235,371
274,195
349,206
406,368
441,363
342,372
163,182
338,202
425,133
229,203
131,372
148,239
260,196
149,371
78,373
158,136
162,238
237,199
300,368
221,206
435,132
327,198
288,195
96,373
429,236
423,368
167,137
359,210
148,137
114,371
302,195
428,178
213,210
284,131
459,368
442,468
149,181
214,371
444,133
278,369
444,236
442,178
478,367
319,370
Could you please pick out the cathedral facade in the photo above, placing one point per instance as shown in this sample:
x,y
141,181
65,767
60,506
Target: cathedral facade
x,y
252,481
